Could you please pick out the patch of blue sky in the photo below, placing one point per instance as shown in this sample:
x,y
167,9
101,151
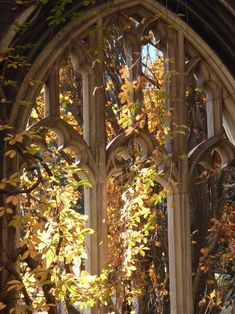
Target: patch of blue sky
x,y
149,55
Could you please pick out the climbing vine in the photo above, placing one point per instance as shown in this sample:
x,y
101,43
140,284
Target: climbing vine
x,y
42,206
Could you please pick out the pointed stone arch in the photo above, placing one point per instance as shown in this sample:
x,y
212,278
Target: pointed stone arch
x,y
216,79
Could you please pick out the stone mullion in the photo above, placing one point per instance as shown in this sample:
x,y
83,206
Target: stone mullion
x,y
85,105
133,52
95,135
91,241
89,109
137,72
101,150
217,111
90,136
94,127
52,94
178,215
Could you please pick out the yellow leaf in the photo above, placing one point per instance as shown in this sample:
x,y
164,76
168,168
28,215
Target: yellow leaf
x,y
32,250
25,255
158,243
2,306
210,282
12,142
34,114
19,138
12,287
84,273
69,257
9,210
204,251
10,153
164,292
15,200
13,282
22,243
9,199
124,71
202,302
14,175
212,294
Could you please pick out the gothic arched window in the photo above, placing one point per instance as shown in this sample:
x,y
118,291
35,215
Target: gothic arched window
x,y
133,82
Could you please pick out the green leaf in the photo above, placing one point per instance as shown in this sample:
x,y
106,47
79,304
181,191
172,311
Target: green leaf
x,y
84,183
88,231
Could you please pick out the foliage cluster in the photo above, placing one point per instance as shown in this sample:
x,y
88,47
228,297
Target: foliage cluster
x,y
42,203
42,198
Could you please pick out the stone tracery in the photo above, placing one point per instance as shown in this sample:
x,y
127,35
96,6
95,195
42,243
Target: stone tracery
x,y
90,148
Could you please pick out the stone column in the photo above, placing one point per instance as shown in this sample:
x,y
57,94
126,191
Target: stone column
x,y
94,127
215,99
133,55
52,95
101,150
178,213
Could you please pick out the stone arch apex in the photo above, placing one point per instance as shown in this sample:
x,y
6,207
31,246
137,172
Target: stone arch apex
x,y
217,143
68,138
66,39
75,28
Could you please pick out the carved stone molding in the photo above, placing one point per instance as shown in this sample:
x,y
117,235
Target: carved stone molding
x,y
68,138
201,154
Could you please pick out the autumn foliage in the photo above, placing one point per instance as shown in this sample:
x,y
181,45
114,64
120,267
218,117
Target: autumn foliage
x,y
42,195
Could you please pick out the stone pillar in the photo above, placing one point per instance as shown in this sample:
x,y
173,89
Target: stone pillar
x,y
52,95
101,149
94,127
216,101
133,55
178,214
